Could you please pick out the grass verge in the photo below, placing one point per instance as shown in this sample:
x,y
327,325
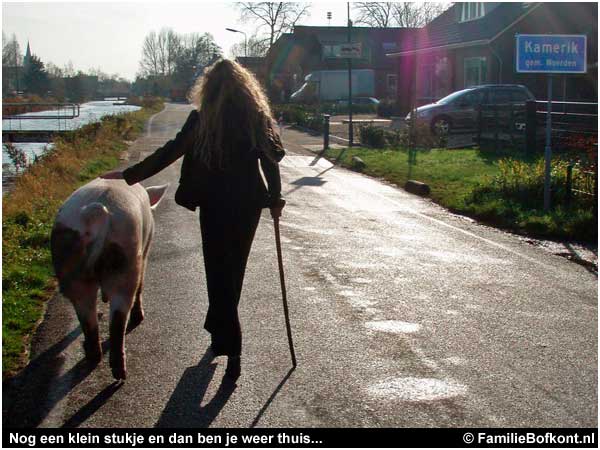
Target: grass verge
x,y
501,189
28,216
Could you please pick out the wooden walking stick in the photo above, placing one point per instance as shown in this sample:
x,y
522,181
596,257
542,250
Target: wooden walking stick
x,y
283,291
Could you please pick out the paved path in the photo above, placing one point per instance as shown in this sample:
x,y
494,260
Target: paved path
x,y
403,315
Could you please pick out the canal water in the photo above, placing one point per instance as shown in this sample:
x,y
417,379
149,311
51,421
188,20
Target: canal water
x,y
88,113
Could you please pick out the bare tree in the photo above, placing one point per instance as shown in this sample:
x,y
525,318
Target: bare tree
x,y
159,52
375,14
169,45
54,71
277,17
415,15
11,51
68,70
256,47
150,62
398,14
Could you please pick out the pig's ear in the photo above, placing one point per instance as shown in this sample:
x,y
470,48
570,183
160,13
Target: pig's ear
x,y
156,193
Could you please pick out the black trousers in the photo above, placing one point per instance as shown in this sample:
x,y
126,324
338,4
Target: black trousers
x,y
227,235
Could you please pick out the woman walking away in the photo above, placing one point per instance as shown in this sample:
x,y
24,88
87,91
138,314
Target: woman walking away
x,y
222,142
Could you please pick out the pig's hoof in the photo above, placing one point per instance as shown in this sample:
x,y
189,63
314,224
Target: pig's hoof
x,y
135,318
117,365
93,353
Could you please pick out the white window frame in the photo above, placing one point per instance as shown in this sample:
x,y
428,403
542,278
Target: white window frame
x,y
387,84
472,11
480,59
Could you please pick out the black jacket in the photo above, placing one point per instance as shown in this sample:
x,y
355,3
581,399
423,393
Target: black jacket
x,y
239,185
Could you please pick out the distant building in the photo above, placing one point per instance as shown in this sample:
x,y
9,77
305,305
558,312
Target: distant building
x,y
254,64
474,43
294,55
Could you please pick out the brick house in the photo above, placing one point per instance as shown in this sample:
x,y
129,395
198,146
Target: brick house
x,y
307,49
474,43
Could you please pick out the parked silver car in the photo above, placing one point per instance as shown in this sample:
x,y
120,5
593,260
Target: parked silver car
x,y
459,110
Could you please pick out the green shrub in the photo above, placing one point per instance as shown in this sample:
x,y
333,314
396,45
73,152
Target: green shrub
x,y
373,136
301,115
379,137
342,108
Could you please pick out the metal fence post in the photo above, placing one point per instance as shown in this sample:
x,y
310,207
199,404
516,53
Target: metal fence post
x,y
495,127
569,186
511,124
530,126
596,193
479,124
326,131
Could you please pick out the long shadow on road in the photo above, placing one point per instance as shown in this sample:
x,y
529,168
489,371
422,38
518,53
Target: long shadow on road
x,y
184,409
271,398
28,397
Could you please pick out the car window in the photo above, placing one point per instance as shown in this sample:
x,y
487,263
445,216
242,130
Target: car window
x,y
519,95
472,98
453,97
500,96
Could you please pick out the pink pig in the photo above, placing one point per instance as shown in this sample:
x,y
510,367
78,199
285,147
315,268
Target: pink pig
x,y
100,240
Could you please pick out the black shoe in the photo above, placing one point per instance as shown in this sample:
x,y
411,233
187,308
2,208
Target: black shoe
x,y
234,368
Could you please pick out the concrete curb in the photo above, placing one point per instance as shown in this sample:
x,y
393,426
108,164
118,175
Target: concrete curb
x,y
417,187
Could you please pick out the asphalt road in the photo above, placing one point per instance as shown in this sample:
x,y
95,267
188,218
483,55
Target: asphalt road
x,y
403,316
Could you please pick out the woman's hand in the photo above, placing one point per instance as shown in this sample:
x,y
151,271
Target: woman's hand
x,y
113,175
276,208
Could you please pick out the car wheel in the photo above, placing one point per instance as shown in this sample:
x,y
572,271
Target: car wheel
x,y
441,126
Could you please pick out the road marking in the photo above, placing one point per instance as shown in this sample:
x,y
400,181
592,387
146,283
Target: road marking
x,y
149,127
393,326
412,389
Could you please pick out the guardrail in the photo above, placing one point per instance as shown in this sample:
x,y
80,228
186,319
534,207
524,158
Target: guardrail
x,y
61,111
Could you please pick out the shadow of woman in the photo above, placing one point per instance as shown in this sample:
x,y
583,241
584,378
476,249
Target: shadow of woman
x,y
184,410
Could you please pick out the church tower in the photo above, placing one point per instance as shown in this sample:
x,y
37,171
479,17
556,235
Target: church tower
x,y
27,58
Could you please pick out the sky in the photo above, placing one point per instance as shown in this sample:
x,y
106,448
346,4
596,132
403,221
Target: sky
x,y
109,35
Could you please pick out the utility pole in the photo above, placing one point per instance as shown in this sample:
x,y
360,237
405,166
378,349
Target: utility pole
x,y
350,125
16,69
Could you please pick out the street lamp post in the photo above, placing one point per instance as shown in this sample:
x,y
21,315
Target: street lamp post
x,y
245,39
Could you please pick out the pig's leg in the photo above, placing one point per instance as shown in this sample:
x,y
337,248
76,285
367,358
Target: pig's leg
x,y
137,312
120,290
83,297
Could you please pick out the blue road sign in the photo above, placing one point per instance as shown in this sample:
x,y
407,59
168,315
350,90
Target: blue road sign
x,y
551,53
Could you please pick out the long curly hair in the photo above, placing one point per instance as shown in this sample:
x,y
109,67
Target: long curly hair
x,y
233,108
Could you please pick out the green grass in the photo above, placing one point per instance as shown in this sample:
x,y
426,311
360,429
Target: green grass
x,y
28,216
451,174
498,188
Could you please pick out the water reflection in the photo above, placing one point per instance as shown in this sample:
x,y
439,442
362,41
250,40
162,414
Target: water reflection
x,y
89,112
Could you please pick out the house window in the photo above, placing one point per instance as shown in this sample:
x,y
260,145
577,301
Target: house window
x,y
475,71
472,11
392,85
328,51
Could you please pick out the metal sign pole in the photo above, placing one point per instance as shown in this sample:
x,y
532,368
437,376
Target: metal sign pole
x,y
548,149
350,125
